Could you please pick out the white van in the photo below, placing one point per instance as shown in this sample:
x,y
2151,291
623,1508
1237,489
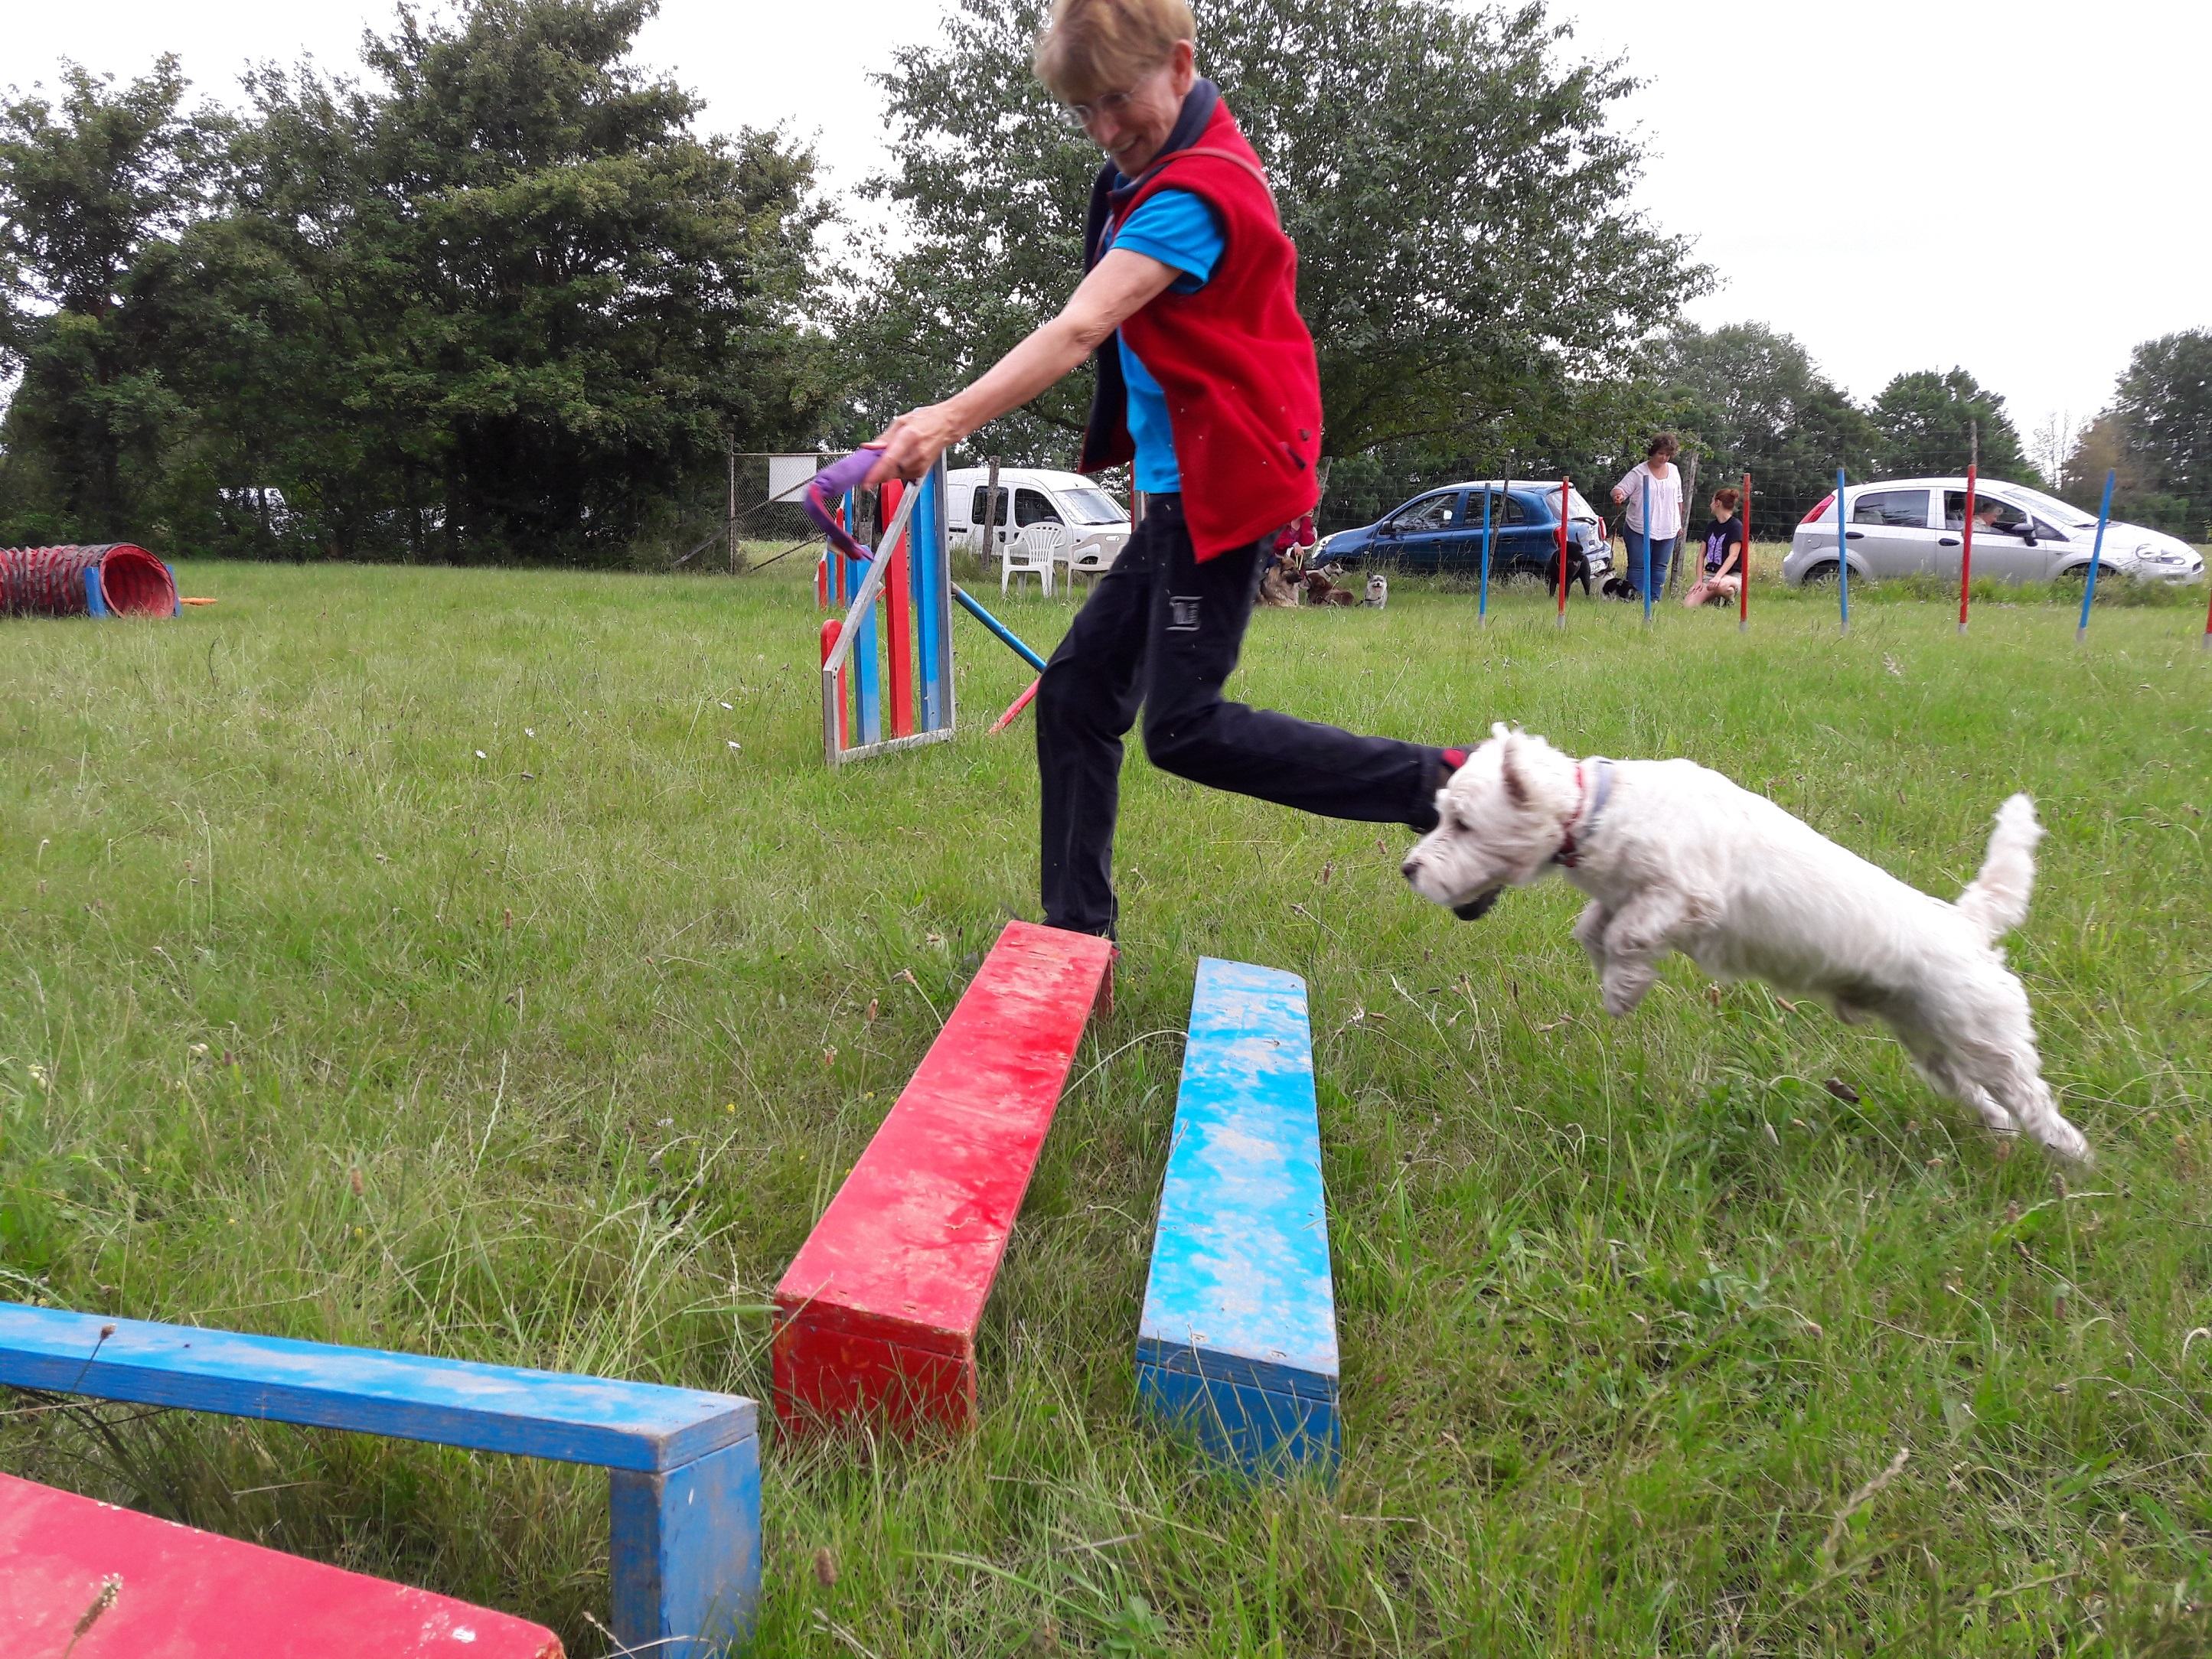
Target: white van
x,y
1028,495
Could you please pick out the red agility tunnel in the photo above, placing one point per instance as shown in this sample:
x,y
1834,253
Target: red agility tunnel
x,y
114,578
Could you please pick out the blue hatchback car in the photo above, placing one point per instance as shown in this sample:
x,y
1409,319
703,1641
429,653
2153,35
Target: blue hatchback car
x,y
1440,530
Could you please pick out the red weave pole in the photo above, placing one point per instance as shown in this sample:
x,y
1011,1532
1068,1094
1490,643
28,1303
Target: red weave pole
x,y
2206,642
1563,550
1743,564
1014,708
898,622
831,629
1967,552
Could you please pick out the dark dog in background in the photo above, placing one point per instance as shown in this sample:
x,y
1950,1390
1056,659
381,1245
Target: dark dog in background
x,y
1320,590
1578,570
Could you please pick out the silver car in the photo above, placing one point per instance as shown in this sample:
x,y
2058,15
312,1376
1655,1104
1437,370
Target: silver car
x,y
2020,535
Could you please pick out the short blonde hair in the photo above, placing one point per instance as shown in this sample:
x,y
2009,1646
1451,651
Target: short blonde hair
x,y
1091,46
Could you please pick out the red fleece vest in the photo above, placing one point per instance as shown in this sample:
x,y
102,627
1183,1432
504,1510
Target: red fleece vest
x,y
1243,390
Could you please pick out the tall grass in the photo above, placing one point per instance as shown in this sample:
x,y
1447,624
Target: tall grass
x,y
485,963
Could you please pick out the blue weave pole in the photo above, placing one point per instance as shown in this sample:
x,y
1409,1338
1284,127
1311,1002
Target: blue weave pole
x,y
1842,563
1482,604
2096,557
1647,545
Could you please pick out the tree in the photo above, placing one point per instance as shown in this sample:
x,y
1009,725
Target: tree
x,y
1747,399
1469,261
1929,424
543,298
96,189
501,302
2157,436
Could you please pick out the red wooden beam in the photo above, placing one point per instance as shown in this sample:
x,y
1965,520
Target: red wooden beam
x,y
877,1315
170,1591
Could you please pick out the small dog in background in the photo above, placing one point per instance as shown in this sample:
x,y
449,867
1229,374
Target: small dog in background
x,y
1674,857
1320,590
1378,590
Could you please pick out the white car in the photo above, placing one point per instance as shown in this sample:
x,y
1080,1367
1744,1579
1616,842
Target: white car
x,y
1911,525
1028,495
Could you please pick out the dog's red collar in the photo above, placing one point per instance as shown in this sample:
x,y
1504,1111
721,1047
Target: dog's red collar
x,y
1570,852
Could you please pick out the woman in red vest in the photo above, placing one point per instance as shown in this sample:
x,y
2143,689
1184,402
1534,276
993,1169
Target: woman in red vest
x,y
1207,383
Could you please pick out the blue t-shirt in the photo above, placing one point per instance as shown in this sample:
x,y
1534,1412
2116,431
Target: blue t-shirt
x,y
1177,228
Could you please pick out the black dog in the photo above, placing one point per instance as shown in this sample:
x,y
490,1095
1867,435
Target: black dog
x,y
1578,568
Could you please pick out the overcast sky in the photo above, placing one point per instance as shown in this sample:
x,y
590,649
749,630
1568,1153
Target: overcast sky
x,y
2014,188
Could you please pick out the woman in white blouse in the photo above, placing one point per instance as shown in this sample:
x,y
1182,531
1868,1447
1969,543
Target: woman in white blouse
x,y
1665,494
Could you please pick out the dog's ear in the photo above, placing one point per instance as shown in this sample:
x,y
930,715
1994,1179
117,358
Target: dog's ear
x,y
1516,786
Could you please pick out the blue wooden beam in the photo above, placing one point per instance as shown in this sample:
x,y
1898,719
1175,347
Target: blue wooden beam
x,y
1238,1340
685,1468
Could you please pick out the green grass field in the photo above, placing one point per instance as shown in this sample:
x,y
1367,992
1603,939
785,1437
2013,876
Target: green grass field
x,y
486,963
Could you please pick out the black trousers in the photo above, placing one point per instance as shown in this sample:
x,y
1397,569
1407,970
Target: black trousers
x,y
1162,630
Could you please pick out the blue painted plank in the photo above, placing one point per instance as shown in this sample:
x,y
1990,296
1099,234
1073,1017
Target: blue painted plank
x,y
501,1408
1240,1287
1259,1428
684,1559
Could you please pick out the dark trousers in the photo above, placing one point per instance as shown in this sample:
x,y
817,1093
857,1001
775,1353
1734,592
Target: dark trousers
x,y
1162,630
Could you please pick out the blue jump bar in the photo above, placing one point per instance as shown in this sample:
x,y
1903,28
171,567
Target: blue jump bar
x,y
1238,1340
683,1464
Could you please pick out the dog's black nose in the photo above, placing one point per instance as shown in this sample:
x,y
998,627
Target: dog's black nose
x,y
1406,869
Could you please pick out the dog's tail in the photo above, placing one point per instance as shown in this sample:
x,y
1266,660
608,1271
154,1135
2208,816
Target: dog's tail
x,y
1996,902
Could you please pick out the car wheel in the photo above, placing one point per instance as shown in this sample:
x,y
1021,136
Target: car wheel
x,y
1820,575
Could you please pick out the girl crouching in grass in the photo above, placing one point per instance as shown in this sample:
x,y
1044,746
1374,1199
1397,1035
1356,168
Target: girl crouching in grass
x,y
1725,553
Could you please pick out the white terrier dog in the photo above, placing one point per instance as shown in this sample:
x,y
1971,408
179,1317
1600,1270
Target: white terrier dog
x,y
1677,857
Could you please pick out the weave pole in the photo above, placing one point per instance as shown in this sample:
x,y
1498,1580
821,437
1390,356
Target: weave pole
x,y
1647,545
1967,552
1743,566
2204,643
1842,561
2096,557
1482,604
1563,550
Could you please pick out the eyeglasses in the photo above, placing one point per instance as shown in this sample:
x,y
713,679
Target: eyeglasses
x,y
1108,103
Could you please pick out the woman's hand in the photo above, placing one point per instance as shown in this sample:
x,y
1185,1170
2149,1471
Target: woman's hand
x,y
912,443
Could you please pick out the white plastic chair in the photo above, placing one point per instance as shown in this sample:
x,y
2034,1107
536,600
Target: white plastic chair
x,y
1032,552
1093,561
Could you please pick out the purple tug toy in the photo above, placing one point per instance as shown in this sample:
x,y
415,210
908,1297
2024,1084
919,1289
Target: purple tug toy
x,y
832,482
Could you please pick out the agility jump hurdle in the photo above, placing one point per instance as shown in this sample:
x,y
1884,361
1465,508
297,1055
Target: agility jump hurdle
x,y
104,1580
683,1464
877,1316
1238,1340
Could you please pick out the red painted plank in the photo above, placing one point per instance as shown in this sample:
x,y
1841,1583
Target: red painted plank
x,y
187,1594
877,1314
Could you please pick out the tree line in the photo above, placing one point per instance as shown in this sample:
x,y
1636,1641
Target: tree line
x,y
501,300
